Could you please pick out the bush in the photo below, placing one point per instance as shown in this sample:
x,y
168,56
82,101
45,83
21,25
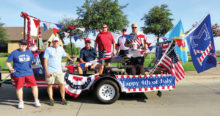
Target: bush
x,y
4,54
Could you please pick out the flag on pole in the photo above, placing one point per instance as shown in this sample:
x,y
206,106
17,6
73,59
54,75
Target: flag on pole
x,y
172,64
201,46
177,33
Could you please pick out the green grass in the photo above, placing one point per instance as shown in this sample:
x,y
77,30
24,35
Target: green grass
x,y
4,68
187,66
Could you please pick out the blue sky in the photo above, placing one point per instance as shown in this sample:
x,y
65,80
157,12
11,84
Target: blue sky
x,y
189,11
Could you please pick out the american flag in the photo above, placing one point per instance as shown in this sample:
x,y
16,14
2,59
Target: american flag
x,y
138,39
104,54
171,63
164,47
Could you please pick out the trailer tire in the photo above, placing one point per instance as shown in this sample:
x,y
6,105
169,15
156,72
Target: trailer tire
x,y
107,92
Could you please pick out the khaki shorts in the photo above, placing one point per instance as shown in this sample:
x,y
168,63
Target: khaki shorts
x,y
56,78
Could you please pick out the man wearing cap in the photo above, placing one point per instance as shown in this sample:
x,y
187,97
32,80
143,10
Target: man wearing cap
x,y
22,72
137,43
53,71
88,54
105,41
121,44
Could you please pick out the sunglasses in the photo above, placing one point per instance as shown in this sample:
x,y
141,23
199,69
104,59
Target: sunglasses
x,y
134,27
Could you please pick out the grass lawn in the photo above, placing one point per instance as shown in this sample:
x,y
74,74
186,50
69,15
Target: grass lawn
x,y
2,64
187,66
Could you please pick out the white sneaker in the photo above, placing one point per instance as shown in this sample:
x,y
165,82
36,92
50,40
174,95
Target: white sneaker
x,y
37,103
21,104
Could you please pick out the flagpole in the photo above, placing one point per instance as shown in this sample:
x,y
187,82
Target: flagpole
x,y
24,33
71,47
161,58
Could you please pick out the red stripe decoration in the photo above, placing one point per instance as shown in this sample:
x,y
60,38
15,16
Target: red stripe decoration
x,y
141,76
204,53
163,88
40,84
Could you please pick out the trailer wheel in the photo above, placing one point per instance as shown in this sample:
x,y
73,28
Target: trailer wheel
x,y
107,92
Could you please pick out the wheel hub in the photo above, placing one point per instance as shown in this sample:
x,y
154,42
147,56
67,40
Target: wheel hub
x,y
107,92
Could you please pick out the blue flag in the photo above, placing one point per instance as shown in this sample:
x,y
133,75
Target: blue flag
x,y
45,26
201,46
127,37
59,26
177,34
75,37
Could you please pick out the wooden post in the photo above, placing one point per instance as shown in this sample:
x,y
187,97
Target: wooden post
x,y
24,28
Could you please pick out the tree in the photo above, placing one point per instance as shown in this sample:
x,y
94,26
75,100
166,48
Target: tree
x,y
3,34
157,21
93,14
216,30
71,48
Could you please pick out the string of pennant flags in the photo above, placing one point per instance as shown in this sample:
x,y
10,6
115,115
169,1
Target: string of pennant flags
x,y
34,29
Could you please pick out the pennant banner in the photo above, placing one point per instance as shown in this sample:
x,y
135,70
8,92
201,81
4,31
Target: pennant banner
x,y
59,26
45,26
36,22
201,45
55,30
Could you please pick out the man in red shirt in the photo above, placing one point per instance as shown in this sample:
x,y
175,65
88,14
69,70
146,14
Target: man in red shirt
x,y
105,41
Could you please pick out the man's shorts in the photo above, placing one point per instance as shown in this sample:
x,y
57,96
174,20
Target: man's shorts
x,y
123,52
55,78
137,60
105,54
28,80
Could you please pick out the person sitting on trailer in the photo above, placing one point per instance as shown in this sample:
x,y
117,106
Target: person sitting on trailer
x,y
88,54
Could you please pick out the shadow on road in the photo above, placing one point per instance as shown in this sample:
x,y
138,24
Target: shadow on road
x,y
8,96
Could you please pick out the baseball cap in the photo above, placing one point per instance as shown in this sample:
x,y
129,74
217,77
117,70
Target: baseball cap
x,y
104,25
23,42
55,39
124,29
87,40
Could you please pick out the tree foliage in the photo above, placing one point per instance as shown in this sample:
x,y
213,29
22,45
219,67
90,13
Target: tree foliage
x,y
74,23
157,21
94,13
3,34
216,30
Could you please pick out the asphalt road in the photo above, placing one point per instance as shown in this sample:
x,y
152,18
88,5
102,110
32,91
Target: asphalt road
x,y
194,96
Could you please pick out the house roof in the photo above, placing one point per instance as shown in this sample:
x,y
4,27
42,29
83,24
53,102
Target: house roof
x,y
16,33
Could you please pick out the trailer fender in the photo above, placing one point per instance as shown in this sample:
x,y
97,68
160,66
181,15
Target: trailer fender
x,y
104,77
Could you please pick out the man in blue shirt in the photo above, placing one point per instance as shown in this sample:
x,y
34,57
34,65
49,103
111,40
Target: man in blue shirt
x,y
22,72
53,71
88,56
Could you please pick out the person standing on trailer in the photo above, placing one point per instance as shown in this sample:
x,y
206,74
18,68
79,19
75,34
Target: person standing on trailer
x,y
53,71
137,43
105,41
22,72
121,44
